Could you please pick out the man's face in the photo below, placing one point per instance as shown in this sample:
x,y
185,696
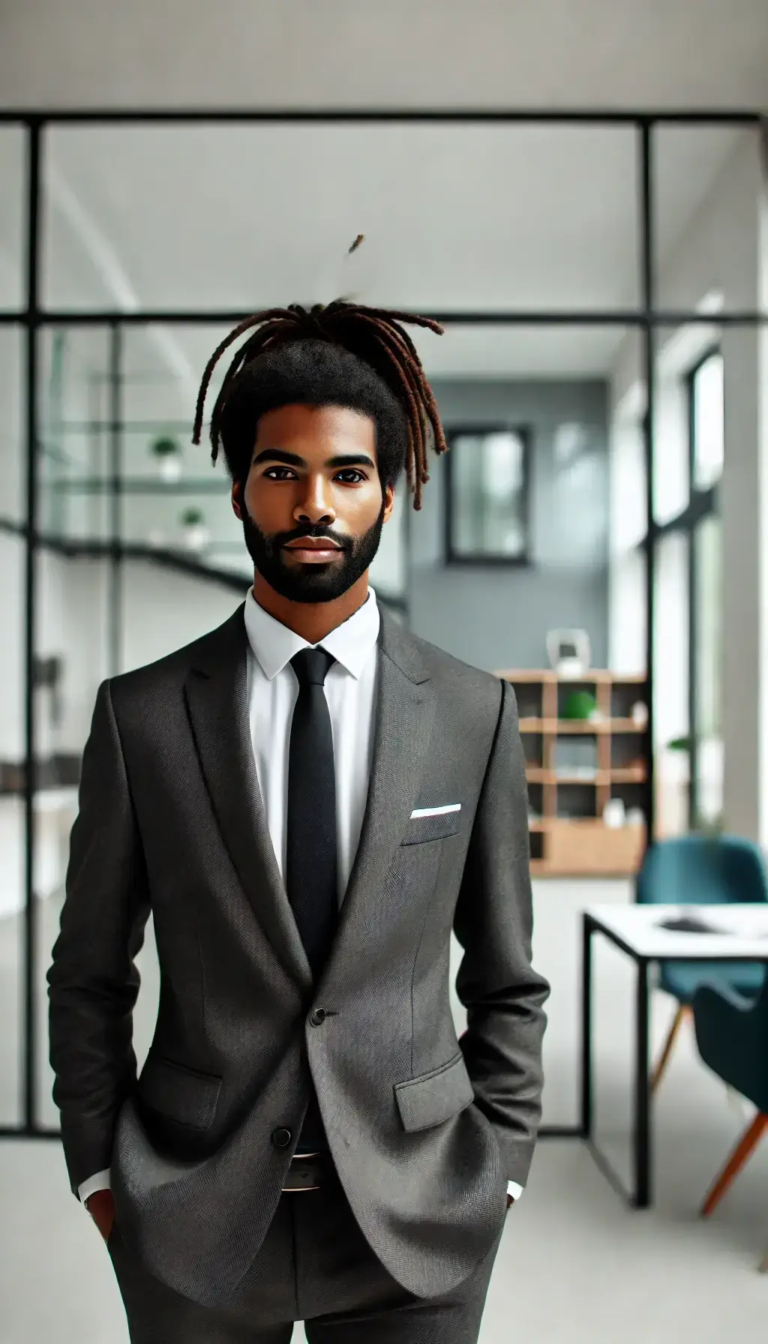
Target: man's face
x,y
312,507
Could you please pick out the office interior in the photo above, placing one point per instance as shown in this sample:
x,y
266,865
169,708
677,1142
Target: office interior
x,y
603,381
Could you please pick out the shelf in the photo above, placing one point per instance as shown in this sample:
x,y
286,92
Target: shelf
x,y
634,774
586,823
598,676
592,770
574,727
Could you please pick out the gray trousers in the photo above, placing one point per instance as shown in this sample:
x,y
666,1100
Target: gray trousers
x,y
314,1266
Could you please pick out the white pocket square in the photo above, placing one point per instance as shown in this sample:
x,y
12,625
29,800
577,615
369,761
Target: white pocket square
x,y
436,811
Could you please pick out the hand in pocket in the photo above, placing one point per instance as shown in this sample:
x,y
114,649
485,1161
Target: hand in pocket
x,y
101,1206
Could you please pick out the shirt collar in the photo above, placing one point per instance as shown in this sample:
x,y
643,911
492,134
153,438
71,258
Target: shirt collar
x,y
274,645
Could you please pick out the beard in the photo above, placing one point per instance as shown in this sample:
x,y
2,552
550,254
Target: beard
x,y
311,583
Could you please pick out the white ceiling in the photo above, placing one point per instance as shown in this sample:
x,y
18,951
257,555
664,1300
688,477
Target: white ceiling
x,y
457,53
455,216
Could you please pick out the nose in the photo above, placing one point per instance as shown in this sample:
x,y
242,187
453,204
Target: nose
x,y
316,505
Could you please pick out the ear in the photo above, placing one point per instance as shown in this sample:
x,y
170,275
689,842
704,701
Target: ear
x,y
237,494
389,502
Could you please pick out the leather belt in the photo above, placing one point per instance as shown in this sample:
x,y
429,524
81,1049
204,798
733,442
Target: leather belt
x,y
307,1173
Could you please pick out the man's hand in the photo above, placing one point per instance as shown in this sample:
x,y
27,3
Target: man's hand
x,y
101,1206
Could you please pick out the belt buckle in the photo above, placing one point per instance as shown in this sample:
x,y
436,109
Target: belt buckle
x,y
303,1174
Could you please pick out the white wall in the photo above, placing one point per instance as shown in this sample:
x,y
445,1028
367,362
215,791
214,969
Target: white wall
x,y
721,252
163,611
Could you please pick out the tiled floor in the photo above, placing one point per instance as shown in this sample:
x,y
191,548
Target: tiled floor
x,y
575,1265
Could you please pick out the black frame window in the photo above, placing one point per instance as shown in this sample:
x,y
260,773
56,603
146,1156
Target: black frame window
x,y
695,523
28,314
487,515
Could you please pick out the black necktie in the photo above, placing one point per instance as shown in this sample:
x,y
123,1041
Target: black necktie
x,y
311,863
310,869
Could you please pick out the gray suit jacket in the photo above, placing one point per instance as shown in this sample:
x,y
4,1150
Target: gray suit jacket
x,y
424,1131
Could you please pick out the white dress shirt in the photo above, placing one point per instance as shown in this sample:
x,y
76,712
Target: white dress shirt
x,y
273,688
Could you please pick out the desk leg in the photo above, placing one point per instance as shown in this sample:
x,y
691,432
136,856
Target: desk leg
x,y
642,1126
586,1029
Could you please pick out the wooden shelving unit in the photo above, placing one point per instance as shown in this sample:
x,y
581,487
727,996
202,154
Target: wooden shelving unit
x,y
568,836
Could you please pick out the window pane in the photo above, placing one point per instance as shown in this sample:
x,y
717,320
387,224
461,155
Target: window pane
x,y
708,422
12,444
12,213
707,669
72,651
708,187
670,689
12,733
455,216
74,432
488,504
671,431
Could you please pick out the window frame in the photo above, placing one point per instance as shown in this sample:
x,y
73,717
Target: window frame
x,y
454,557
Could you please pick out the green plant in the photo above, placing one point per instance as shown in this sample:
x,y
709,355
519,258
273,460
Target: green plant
x,y
192,518
679,744
165,447
579,705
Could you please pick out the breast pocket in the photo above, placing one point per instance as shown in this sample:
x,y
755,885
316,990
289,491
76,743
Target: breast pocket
x,y
432,824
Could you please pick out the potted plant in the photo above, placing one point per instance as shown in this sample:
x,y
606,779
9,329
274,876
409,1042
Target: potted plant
x,y
196,534
167,454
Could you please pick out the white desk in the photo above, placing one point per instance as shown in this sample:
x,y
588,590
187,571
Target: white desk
x,y
742,936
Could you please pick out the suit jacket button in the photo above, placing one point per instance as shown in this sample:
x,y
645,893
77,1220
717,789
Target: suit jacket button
x,y
318,1017
281,1137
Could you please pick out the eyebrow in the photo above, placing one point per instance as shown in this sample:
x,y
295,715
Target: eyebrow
x,y
294,460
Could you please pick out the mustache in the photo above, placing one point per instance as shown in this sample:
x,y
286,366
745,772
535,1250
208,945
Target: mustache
x,y
317,533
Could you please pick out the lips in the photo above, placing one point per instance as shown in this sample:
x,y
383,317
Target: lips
x,y
314,550
312,544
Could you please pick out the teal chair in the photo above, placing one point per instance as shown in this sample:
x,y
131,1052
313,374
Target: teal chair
x,y
702,870
732,1036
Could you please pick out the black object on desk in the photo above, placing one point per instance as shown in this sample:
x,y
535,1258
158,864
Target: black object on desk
x,y
686,924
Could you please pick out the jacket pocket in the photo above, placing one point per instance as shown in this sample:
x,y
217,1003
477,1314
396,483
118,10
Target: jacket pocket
x,y
435,1096
420,829
180,1094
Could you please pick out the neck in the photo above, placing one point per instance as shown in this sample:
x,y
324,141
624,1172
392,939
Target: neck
x,y
311,620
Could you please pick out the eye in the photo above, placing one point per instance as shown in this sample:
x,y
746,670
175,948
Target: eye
x,y
346,472
284,473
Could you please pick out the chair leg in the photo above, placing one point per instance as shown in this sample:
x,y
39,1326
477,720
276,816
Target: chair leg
x,y
682,1013
739,1156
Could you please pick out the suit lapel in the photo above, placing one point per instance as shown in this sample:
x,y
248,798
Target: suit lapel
x,y
405,706
217,699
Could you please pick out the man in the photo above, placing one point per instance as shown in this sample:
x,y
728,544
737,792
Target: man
x,y
308,799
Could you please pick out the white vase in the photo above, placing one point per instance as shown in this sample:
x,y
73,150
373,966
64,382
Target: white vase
x,y
170,468
196,536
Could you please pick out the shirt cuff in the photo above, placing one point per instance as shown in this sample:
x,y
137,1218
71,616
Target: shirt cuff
x,y
514,1189
100,1181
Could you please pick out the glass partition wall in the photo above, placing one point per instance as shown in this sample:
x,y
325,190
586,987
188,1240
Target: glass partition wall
x,y
555,249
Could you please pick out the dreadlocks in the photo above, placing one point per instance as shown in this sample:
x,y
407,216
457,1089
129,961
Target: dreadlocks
x,y
340,337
